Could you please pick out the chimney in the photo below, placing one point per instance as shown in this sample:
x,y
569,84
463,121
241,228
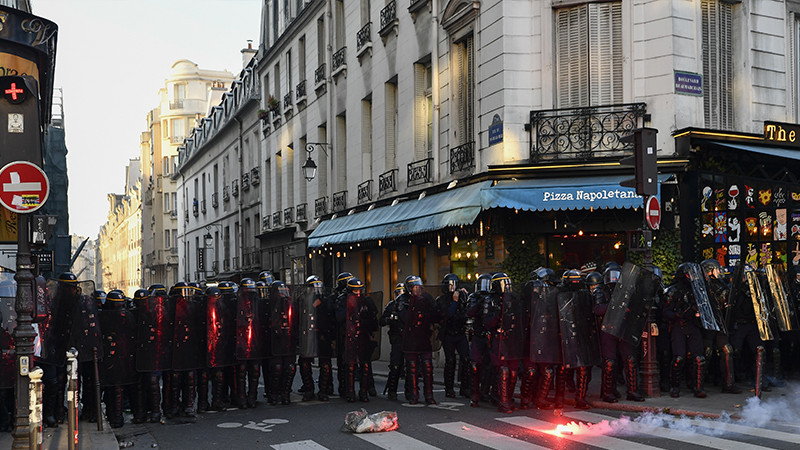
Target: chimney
x,y
248,53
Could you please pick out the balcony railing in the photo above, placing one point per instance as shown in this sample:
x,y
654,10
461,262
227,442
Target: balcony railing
x,y
236,265
215,267
226,264
246,181
287,102
365,192
255,176
338,61
339,201
364,38
265,223
176,104
387,182
246,258
319,76
389,20
226,193
300,92
462,157
235,188
203,206
195,211
288,215
276,219
419,172
583,133
300,215
215,199
320,206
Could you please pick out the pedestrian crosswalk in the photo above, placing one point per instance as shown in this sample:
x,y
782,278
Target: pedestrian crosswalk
x,y
573,429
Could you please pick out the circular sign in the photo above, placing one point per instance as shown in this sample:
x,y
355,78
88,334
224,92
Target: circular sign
x,y
24,187
652,212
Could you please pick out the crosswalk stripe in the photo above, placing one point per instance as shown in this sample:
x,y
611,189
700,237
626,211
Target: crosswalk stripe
x,y
606,442
751,431
484,437
394,440
299,445
668,433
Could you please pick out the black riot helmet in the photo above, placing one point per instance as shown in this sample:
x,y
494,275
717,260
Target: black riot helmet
x,y
547,275
341,280
483,283
69,281
266,277
594,278
501,283
139,294
181,289
611,273
280,288
355,286
99,297
67,277
712,269
248,285
658,273
399,289
534,275
225,287
449,283
683,270
115,300
213,293
316,284
571,278
157,289
196,290
262,289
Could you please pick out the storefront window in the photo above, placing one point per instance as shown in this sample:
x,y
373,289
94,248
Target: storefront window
x,y
464,259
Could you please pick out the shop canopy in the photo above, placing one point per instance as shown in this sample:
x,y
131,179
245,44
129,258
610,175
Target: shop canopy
x,y
598,192
453,207
772,151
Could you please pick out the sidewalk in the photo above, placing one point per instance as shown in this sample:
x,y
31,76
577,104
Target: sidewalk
x,y
57,438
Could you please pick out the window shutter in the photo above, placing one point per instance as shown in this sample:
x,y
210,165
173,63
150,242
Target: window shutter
x,y
366,139
390,115
469,90
420,127
717,24
572,55
605,53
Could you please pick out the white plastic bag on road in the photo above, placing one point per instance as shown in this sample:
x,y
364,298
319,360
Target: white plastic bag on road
x,y
362,422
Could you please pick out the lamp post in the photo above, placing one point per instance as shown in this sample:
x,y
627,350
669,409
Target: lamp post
x,y
310,167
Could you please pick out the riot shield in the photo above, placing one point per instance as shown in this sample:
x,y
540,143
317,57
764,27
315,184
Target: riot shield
x,y
85,334
8,321
626,316
155,330
250,342
781,308
375,336
738,288
579,339
190,328
545,328
281,332
508,340
62,304
118,366
760,307
220,332
306,302
704,308
359,325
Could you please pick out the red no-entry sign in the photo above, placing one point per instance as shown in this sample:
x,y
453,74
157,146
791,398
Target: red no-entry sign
x,y
24,187
652,212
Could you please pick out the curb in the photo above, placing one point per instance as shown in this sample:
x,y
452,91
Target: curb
x,y
656,410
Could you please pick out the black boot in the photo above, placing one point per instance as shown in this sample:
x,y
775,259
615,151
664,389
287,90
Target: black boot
x,y
88,397
543,386
114,404
475,377
217,387
307,377
61,409
726,367
350,383
632,372
392,381
503,395
202,390
253,374
561,386
138,392
341,377
363,385
240,400
700,373
512,386
287,380
427,378
463,378
324,381
412,393
607,382
526,388
371,381
173,392
582,387
760,382
49,402
153,398
276,372
676,372
188,392
449,378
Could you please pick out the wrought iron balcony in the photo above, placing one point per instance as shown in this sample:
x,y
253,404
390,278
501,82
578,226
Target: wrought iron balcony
x,y
300,92
419,172
338,61
235,188
246,181
301,212
389,20
583,133
276,219
246,257
203,206
364,39
176,104
365,192
319,76
339,201
226,264
215,199
195,211
255,176
236,265
320,206
287,102
288,215
265,223
226,193
387,182
462,157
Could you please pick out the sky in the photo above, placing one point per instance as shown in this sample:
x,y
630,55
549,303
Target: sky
x,y
112,57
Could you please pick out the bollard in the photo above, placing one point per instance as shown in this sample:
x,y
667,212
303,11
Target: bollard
x,y
72,397
97,395
35,419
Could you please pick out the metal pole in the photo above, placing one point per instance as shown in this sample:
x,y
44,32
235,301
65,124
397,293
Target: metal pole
x,y
72,398
97,393
36,409
24,333
649,365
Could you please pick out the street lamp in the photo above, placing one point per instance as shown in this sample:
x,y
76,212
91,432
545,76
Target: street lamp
x,y
310,167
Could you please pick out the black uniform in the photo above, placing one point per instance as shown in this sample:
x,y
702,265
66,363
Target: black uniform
x,y
357,318
308,306
481,373
718,290
504,321
391,318
118,368
453,305
282,332
419,318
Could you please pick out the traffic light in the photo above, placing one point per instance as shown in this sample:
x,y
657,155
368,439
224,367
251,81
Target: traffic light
x,y
20,127
644,161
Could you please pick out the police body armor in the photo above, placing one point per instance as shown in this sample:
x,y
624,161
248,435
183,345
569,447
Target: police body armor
x,y
629,305
156,328
190,328
85,335
220,330
507,336
250,342
718,292
282,328
118,325
545,327
61,305
374,299
578,326
708,319
359,324
307,330
779,296
418,316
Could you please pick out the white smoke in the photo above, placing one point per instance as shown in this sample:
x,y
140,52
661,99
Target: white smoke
x,y
758,413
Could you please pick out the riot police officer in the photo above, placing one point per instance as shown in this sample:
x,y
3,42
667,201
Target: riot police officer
x,y
419,318
220,344
356,318
188,345
452,305
336,301
579,339
545,350
391,318
250,344
504,321
118,368
481,372
283,348
718,290
309,303
751,328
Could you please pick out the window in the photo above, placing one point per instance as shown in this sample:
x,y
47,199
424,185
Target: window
x,y
464,89
390,116
301,58
320,41
174,203
717,64
339,24
165,166
274,20
167,239
179,92
341,152
366,139
166,203
164,129
289,85
277,82
174,245
178,129
365,9
589,55
423,111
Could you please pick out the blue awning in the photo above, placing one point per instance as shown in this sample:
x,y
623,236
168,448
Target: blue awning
x,y
772,151
550,194
459,206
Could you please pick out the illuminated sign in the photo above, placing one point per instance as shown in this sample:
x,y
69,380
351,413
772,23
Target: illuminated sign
x,y
785,133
